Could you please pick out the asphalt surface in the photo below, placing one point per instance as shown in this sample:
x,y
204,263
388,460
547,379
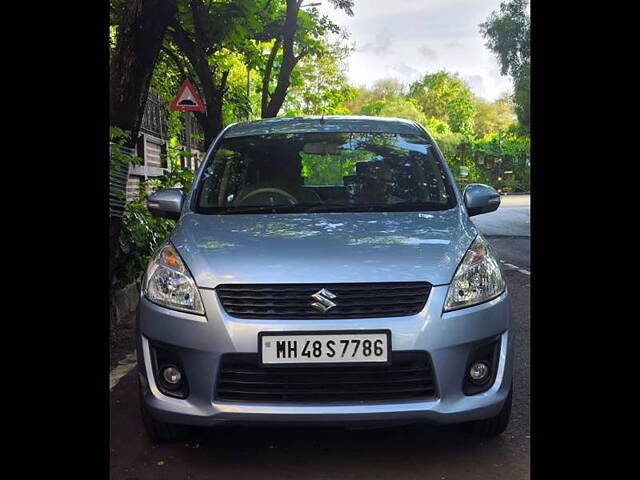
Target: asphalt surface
x,y
408,452
511,218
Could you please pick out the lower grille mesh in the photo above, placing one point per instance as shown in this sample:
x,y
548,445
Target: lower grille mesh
x,y
410,376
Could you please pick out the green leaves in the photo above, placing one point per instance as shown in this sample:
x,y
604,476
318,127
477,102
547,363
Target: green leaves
x,y
493,116
119,155
489,157
445,96
319,84
141,232
396,106
508,36
140,236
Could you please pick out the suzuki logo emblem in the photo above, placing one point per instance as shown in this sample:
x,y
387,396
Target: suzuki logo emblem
x,y
324,302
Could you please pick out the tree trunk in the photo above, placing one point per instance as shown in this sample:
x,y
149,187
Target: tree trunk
x,y
266,77
289,60
196,52
140,34
211,120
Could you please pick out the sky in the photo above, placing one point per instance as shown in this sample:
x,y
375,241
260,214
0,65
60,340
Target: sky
x,y
407,38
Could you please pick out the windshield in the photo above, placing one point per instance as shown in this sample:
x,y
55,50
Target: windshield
x,y
323,172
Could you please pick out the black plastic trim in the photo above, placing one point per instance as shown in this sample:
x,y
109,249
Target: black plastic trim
x,y
410,377
174,359
489,351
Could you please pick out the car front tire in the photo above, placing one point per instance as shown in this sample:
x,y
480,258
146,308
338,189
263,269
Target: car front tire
x,y
158,431
490,427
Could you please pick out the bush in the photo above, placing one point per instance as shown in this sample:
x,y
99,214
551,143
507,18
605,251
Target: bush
x,y
485,160
142,233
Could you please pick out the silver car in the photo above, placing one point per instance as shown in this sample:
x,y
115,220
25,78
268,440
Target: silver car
x,y
324,270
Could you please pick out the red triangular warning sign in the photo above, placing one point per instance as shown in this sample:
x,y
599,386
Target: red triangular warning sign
x,y
187,99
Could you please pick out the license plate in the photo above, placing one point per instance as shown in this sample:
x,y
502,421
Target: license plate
x,y
339,347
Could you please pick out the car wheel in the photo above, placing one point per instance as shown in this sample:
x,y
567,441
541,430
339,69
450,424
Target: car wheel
x,y
158,431
496,425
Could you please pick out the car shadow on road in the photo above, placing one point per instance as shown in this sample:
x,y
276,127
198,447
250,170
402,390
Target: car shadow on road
x,y
411,451
328,451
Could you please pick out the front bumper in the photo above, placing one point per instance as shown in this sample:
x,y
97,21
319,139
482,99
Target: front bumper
x,y
449,338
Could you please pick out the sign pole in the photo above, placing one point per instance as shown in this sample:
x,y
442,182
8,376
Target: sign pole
x,y
188,132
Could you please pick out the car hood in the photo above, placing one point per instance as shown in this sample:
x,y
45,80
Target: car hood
x,y
323,247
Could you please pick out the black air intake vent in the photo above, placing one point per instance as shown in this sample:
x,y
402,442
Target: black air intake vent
x,y
409,377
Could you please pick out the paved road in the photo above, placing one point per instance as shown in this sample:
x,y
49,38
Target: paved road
x,y
512,250
508,229
511,218
419,451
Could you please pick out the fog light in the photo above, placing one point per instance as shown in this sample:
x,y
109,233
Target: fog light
x,y
479,372
172,376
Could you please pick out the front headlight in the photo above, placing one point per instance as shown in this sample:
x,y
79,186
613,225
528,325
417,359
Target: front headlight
x,y
478,278
168,282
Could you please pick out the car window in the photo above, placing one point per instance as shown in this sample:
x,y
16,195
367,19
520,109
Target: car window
x,y
326,171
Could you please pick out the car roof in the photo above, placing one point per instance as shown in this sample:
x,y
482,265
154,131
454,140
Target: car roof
x,y
327,123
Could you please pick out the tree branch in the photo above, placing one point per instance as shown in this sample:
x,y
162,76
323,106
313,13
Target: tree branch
x,y
266,77
201,39
303,53
223,88
186,44
176,60
288,59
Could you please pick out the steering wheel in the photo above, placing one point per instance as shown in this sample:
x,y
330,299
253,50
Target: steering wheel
x,y
290,198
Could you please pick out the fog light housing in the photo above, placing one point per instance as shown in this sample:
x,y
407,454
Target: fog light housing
x,y
172,376
168,370
481,366
479,372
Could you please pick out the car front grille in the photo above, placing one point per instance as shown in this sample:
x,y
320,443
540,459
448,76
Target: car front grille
x,y
409,377
353,300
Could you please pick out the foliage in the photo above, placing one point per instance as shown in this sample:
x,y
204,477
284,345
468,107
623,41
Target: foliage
x,y
386,98
142,233
495,116
382,88
447,140
395,107
119,155
521,96
498,159
511,153
447,97
119,159
508,36
319,84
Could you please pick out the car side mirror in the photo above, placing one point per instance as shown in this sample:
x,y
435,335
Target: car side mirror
x,y
480,198
166,203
